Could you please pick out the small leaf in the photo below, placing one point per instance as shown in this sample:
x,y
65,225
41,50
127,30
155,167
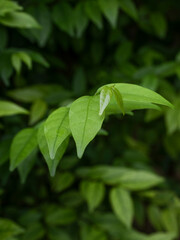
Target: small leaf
x,y
16,62
22,146
25,58
62,181
20,20
52,164
81,19
93,12
170,220
85,121
154,215
110,10
119,99
93,192
159,24
8,108
105,97
122,205
56,129
38,110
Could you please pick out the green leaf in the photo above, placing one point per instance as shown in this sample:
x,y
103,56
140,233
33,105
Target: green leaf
x,y
122,205
159,24
154,215
52,164
56,129
88,232
4,150
85,121
25,58
60,216
161,236
105,97
34,231
16,62
9,229
62,181
139,180
22,146
170,220
25,167
20,20
37,112
8,108
129,7
93,12
63,17
119,99
58,234
93,192
7,6
81,19
110,10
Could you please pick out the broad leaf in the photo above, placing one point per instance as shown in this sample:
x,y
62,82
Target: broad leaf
x,y
129,7
9,108
22,146
110,10
7,6
93,192
56,129
20,20
122,205
105,97
52,164
93,12
81,20
85,121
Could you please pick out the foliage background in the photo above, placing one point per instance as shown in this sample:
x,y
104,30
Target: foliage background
x,y
80,46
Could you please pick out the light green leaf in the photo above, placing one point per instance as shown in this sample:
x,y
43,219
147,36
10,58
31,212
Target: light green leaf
x,y
9,229
85,121
7,6
119,99
22,146
93,192
122,205
170,220
110,10
161,236
38,110
139,180
105,97
25,58
16,62
52,164
93,12
8,108
56,129
20,20
129,7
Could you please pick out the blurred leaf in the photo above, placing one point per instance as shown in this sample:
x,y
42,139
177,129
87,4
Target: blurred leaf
x,y
20,20
7,6
170,220
4,150
6,69
123,52
81,20
129,8
4,38
9,108
37,111
79,81
9,229
72,198
34,231
84,112
58,234
159,24
122,205
161,236
63,17
154,215
62,181
93,192
52,164
22,146
60,216
56,129
91,233
93,12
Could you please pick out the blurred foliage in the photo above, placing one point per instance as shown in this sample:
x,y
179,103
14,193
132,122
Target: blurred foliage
x,y
126,186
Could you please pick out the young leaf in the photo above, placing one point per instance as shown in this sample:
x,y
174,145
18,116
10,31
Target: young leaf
x,y
93,12
8,108
105,97
22,146
93,192
20,20
85,121
110,10
119,99
129,7
52,164
56,129
122,205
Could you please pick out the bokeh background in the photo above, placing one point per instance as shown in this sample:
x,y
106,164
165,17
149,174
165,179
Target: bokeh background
x,y
51,53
